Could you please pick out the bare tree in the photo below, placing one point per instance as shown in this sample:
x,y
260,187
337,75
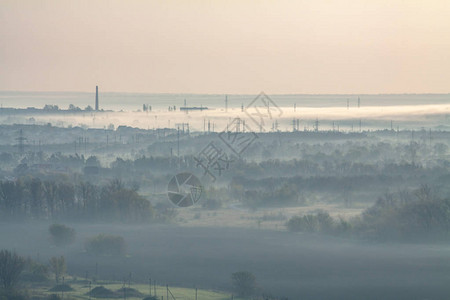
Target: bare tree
x,y
57,266
244,283
11,265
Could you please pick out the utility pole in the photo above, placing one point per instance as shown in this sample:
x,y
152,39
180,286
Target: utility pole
x,y
178,141
430,137
96,98
150,286
21,142
226,103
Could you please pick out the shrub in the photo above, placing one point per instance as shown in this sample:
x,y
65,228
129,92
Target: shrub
x,y
61,235
34,271
104,244
320,222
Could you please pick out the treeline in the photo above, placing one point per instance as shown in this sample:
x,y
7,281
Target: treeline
x,y
402,216
36,199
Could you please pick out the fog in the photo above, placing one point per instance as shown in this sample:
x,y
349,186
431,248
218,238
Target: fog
x,y
371,117
319,209
294,266
216,150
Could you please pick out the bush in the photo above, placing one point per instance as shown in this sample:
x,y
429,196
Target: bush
x,y
103,244
320,222
34,271
422,219
61,235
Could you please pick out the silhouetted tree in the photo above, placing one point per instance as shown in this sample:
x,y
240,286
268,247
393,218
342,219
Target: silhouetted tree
x,y
244,283
11,265
61,234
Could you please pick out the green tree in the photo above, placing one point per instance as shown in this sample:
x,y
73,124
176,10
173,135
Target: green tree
x,y
61,235
34,271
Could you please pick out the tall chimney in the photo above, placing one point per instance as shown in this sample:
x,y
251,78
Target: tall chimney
x,y
96,97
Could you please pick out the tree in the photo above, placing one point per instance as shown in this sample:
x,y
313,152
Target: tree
x,y
34,271
74,108
244,283
93,161
11,265
61,234
58,266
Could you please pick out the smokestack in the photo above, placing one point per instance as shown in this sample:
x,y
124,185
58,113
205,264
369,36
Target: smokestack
x,y
96,97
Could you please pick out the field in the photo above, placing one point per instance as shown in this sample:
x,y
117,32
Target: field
x,y
266,218
81,291
285,264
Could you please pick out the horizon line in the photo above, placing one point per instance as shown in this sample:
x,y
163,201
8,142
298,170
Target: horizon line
x,y
216,94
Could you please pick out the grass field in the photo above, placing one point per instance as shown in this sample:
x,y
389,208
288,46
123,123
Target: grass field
x,y
267,218
81,290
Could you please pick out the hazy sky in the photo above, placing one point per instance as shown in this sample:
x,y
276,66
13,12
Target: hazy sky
x,y
316,46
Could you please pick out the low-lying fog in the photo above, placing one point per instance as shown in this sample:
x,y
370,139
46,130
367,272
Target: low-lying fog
x,y
298,266
371,117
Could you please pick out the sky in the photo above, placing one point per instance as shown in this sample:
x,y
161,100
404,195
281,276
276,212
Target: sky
x,y
219,47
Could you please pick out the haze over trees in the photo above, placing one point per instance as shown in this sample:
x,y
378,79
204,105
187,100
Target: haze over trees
x,y
285,209
104,244
61,235
32,198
